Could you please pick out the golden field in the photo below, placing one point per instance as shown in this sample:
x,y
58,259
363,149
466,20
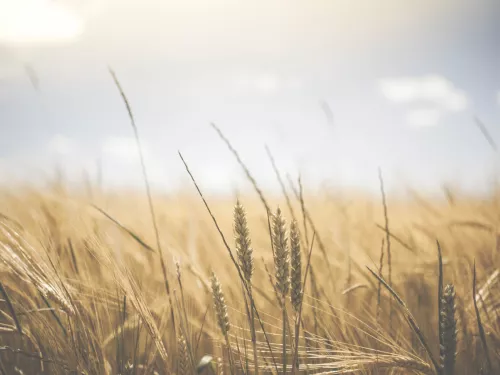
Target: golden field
x,y
83,288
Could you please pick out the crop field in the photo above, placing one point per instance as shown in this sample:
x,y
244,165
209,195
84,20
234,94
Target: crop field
x,y
306,282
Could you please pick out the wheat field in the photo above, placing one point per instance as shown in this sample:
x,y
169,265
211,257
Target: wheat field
x,y
310,281
86,290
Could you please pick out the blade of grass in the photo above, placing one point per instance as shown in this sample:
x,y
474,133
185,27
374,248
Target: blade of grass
x,y
243,166
53,312
148,192
125,229
396,238
388,238
11,309
440,292
201,330
486,134
280,181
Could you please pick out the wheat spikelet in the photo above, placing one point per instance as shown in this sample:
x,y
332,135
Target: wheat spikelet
x,y
296,266
448,331
220,305
243,243
281,254
182,355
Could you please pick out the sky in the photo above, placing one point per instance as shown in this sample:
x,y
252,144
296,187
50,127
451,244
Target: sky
x,y
335,89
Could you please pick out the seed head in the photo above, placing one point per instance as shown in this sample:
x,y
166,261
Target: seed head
x,y
182,355
281,254
244,249
220,305
448,330
296,266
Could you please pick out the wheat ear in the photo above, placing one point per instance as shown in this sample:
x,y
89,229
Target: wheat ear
x,y
296,267
282,269
448,330
182,355
221,313
244,252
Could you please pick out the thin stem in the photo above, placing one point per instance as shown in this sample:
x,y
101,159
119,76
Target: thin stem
x,y
284,334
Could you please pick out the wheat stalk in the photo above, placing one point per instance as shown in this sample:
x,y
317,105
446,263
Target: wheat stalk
x,y
221,313
281,254
220,305
244,249
182,355
282,268
244,253
296,266
448,330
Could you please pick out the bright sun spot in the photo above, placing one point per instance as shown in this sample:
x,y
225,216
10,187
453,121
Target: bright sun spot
x,y
37,21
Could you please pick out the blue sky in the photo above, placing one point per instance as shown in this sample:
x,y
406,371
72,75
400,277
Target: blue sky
x,y
403,80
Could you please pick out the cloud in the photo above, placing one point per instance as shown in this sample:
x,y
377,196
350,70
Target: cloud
x,y
432,89
61,145
124,148
267,83
423,117
122,155
37,21
263,83
438,95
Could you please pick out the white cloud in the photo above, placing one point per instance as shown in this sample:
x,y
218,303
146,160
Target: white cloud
x,y
61,145
424,117
433,89
37,21
438,95
124,148
120,154
265,83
